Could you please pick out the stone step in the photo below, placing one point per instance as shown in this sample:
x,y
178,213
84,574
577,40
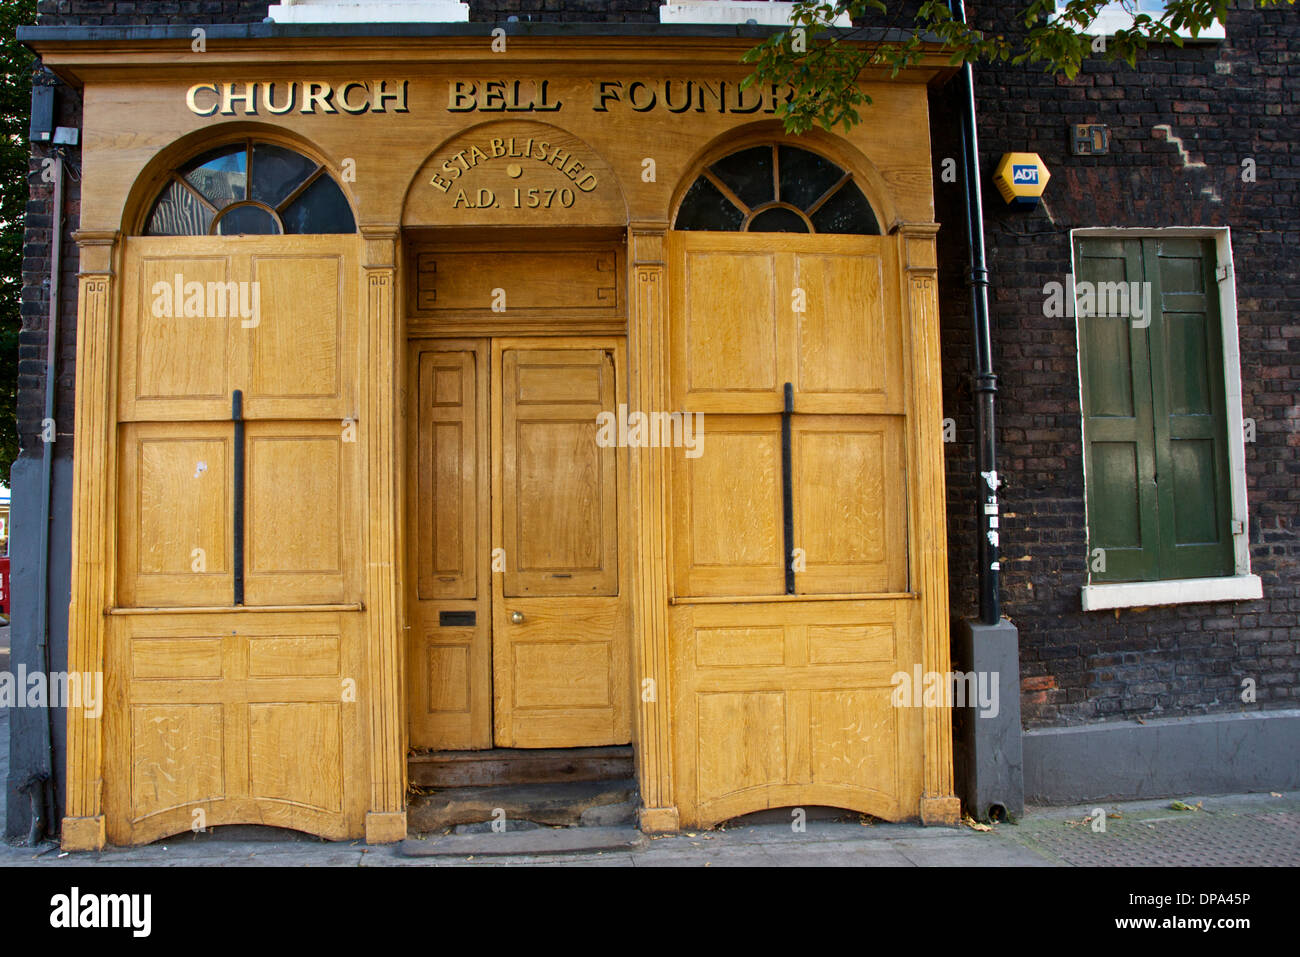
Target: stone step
x,y
547,840
563,804
506,766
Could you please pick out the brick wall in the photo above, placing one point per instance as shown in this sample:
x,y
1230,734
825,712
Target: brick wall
x,y
1226,102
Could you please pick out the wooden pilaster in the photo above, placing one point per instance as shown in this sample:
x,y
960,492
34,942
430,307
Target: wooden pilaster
x,y
380,429
647,350
83,827
919,265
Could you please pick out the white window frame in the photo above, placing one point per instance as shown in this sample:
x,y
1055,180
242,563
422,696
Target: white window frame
x,y
1114,17
1241,585
764,12
368,11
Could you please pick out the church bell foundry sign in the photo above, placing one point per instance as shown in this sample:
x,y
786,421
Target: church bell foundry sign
x,y
507,172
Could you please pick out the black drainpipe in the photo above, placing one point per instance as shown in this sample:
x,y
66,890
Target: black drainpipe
x,y
984,382
46,774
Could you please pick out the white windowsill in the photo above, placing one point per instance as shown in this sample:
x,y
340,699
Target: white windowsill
x,y
1174,592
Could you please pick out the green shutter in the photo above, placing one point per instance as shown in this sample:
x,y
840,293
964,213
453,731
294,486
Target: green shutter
x,y
1153,406
1190,420
1118,427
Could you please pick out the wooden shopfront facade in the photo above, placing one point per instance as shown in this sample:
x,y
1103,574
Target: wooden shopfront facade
x,y
430,397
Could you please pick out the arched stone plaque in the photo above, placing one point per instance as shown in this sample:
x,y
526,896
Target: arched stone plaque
x,y
514,173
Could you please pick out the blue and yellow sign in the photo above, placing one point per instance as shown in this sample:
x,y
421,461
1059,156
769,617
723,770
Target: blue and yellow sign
x,y
1021,178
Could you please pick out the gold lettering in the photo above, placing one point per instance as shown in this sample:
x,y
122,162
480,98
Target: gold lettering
x,y
268,99
494,97
460,96
248,98
316,92
191,98
343,97
631,97
540,104
606,90
380,93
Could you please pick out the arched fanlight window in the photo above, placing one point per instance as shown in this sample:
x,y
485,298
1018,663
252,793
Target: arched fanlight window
x,y
776,189
250,188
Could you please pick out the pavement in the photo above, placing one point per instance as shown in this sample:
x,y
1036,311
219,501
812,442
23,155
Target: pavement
x,y
1237,829
1241,829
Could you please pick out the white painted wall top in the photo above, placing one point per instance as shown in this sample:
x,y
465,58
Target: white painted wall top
x,y
769,13
369,11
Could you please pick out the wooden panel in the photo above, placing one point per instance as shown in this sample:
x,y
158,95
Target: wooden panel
x,y
564,283
310,732
850,500
177,756
448,673
790,704
575,673
559,644
725,331
295,350
853,735
717,647
848,347
746,734
560,498
176,658
446,538
728,538
175,351
234,718
293,656
175,537
449,667
301,497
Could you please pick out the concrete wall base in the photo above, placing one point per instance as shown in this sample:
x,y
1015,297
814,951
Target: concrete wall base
x,y
1166,757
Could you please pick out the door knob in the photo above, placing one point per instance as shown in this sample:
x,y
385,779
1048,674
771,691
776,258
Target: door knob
x,y
517,617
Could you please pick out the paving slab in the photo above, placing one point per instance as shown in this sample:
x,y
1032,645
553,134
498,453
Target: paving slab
x,y
1251,829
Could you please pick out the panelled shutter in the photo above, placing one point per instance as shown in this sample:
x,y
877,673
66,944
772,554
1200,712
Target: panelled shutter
x,y
1154,410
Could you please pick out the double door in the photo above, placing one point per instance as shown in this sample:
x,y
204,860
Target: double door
x,y
517,571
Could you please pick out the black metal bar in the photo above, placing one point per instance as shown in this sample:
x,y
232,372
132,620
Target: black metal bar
x,y
984,382
787,488
237,559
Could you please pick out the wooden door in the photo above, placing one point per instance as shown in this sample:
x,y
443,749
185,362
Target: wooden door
x,y
559,608
514,508
449,648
